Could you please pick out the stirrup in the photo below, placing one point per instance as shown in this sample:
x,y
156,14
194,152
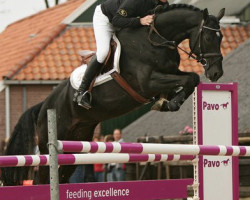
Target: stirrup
x,y
87,103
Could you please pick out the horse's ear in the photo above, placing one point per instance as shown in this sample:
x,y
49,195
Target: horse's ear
x,y
221,14
205,14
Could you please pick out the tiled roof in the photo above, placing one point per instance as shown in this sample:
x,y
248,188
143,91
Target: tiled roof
x,y
24,39
53,53
60,57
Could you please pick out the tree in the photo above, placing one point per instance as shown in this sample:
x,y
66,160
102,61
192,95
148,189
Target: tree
x,y
47,3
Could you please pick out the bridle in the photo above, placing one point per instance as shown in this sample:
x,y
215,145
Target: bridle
x,y
201,57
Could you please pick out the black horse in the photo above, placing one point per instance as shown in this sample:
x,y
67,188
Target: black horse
x,y
149,66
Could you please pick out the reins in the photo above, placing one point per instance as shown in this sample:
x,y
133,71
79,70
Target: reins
x,y
166,43
201,58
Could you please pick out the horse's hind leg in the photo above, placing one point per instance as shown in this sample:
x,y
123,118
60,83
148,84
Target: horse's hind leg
x,y
177,87
43,171
80,132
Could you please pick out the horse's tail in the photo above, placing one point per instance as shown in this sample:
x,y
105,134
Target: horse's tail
x,y
21,142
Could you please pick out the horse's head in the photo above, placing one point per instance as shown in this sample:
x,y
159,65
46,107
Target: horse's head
x,y
205,44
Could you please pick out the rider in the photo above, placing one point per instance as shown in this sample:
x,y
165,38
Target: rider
x,y
110,15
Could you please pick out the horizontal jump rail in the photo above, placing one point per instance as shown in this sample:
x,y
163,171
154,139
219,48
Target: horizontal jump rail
x,y
150,148
78,159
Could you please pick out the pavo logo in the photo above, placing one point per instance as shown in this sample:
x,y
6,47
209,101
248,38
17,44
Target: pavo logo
x,y
215,163
225,162
224,105
214,106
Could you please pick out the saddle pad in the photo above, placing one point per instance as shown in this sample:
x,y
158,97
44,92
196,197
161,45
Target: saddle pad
x,y
77,74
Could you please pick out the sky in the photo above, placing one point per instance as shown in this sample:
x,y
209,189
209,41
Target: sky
x,y
13,10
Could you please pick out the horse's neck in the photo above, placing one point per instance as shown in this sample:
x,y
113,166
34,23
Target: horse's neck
x,y
178,24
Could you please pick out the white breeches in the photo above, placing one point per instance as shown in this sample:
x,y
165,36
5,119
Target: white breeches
x,y
104,31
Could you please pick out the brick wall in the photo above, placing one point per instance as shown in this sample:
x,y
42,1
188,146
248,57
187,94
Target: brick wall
x,y
16,105
35,94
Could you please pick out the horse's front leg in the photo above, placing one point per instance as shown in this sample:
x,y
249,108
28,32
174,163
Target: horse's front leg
x,y
177,88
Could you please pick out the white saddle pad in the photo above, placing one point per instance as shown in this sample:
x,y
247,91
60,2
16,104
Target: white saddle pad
x,y
77,74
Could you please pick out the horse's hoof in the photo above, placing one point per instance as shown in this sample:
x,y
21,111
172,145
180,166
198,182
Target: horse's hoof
x,y
158,104
173,106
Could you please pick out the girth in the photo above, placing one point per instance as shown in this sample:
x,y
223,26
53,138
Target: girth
x,y
121,81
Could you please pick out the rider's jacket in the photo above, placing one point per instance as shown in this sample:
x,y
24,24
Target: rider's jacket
x,y
127,13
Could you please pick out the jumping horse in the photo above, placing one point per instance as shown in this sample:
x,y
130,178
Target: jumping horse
x,y
149,63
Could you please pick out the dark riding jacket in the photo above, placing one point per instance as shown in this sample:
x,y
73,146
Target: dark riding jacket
x,y
127,13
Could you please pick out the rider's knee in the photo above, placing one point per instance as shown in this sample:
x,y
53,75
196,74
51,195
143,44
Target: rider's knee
x,y
101,54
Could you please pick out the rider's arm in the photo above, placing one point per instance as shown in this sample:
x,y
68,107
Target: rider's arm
x,y
126,15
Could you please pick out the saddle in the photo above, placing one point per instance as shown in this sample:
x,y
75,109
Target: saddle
x,y
109,61
109,66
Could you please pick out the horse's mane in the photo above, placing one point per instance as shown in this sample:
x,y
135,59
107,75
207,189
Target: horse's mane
x,y
178,6
188,7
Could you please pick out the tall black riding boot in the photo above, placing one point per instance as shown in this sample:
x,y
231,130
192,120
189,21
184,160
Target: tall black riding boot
x,y
82,96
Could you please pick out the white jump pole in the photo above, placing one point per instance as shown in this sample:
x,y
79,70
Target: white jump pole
x,y
152,148
89,158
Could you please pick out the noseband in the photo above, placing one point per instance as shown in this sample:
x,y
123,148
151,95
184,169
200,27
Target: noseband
x,y
201,57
